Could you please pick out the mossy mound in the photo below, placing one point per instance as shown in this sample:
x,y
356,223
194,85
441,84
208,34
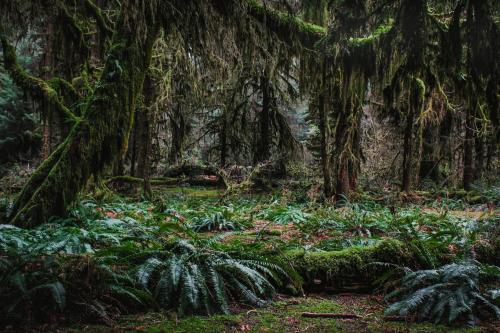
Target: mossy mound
x,y
354,267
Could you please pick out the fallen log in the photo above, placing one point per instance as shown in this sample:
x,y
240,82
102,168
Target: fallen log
x,y
190,170
135,180
330,315
168,181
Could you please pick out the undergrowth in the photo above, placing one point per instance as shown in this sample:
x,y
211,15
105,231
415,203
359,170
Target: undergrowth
x,y
116,257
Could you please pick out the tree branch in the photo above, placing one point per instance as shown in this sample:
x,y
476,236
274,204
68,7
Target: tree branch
x,y
32,84
102,20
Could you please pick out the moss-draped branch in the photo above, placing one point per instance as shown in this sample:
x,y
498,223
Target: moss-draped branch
x,y
34,85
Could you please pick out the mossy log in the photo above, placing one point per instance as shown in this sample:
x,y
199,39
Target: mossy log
x,y
167,181
101,136
197,175
352,267
191,170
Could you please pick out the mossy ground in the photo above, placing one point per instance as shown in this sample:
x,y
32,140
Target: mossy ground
x,y
329,246
283,316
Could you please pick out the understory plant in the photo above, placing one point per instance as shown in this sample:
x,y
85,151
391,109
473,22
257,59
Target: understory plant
x,y
464,291
105,260
195,277
216,221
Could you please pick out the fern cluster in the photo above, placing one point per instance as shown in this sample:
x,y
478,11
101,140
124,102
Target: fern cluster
x,y
193,277
101,261
284,214
214,222
454,292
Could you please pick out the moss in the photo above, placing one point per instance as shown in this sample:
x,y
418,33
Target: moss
x,y
198,192
140,181
284,24
102,20
378,33
282,316
32,84
97,141
339,269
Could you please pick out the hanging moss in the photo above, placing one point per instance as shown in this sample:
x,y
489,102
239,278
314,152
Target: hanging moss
x,y
102,136
103,22
286,25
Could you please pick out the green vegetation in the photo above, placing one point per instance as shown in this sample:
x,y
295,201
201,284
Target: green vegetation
x,y
143,255
452,292
249,166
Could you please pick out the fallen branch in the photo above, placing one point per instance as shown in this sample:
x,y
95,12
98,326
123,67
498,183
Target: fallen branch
x,y
395,318
330,315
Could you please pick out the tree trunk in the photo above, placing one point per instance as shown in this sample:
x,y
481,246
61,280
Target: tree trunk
x,y
133,143
263,149
480,157
101,137
179,128
468,151
407,152
223,140
325,159
144,166
431,157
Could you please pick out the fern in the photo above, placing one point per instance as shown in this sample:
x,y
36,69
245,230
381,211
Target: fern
x,y
193,277
451,293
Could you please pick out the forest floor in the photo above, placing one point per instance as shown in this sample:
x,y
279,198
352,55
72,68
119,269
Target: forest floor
x,y
272,224
283,316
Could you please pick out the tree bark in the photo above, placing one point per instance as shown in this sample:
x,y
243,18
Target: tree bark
x,y
101,136
325,159
179,131
408,152
223,139
263,149
144,166
468,151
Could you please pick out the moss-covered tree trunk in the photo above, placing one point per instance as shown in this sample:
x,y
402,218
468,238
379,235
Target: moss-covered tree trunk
x,y
431,154
180,130
145,117
263,143
324,146
223,139
407,152
97,140
468,175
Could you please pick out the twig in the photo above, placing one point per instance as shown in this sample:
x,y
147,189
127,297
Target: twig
x,y
330,315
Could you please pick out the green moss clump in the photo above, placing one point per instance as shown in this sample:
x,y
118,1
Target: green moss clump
x,y
284,24
381,30
339,269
